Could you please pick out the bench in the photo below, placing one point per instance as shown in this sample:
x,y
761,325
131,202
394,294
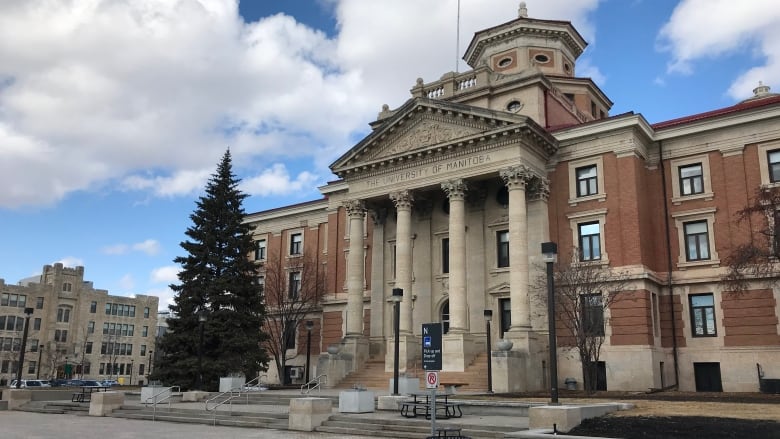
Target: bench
x,y
86,393
450,387
409,409
450,433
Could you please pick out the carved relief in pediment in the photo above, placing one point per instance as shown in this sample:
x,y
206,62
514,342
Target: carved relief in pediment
x,y
425,133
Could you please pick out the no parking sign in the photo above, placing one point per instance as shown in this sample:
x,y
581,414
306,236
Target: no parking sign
x,y
431,380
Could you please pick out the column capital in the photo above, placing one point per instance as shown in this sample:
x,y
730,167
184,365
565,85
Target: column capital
x,y
516,177
354,208
402,199
539,189
455,188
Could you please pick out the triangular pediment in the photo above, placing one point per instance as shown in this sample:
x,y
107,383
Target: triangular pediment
x,y
422,125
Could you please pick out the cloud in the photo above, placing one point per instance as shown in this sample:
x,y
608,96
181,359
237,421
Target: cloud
x,y
277,181
127,283
150,246
71,261
167,275
703,29
146,95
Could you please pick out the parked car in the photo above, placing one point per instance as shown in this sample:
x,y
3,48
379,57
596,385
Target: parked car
x,y
31,383
59,383
91,383
109,383
75,383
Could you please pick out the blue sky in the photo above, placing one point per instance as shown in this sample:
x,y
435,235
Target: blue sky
x,y
114,113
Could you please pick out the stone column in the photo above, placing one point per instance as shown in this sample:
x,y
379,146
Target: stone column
x,y
456,192
403,255
515,179
356,213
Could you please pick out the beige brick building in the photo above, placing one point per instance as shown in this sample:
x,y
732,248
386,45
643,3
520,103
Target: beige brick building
x,y
75,330
451,194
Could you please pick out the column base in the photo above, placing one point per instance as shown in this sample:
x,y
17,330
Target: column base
x,y
528,362
408,353
458,351
355,347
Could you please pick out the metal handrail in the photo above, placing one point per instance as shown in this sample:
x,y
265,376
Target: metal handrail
x,y
315,383
154,400
233,393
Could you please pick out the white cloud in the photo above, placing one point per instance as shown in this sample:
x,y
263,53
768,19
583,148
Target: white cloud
x,y
127,283
277,181
116,249
145,95
167,275
701,29
71,261
150,246
165,295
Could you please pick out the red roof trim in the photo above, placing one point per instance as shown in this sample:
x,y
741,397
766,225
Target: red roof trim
x,y
742,106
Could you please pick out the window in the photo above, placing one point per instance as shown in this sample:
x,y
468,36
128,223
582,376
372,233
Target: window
x,y
586,180
691,179
108,309
132,310
502,248
289,334
88,347
589,241
445,317
703,315
63,315
67,286
146,312
39,303
506,315
36,324
91,327
31,366
296,239
697,244
260,248
445,255
13,300
295,285
592,315
773,158
587,183
61,335
93,307
143,350
145,331
260,282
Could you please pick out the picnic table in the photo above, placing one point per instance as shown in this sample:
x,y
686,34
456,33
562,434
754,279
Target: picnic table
x,y
421,404
85,395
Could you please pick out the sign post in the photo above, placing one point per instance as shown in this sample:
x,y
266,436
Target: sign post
x,y
431,360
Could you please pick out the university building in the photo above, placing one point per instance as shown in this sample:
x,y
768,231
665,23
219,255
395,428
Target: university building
x,y
75,331
451,195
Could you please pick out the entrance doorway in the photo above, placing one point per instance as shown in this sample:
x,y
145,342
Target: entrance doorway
x,y
707,377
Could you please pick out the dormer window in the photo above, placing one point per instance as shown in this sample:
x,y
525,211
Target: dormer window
x,y
541,58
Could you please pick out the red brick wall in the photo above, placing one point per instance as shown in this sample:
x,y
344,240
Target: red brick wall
x,y
557,114
331,330
666,321
749,318
631,319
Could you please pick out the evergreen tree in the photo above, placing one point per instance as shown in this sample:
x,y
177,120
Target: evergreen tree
x,y
217,295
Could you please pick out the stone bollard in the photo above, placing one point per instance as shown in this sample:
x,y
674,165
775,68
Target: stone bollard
x,y
17,397
306,414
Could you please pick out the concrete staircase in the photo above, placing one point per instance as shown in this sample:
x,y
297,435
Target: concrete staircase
x,y
373,376
403,428
224,417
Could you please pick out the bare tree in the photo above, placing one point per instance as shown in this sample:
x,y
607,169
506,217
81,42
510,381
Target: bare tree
x,y
292,290
583,292
757,258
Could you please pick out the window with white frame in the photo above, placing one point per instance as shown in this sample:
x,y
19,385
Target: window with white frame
x,y
695,234
692,179
703,315
588,229
773,161
502,248
769,163
586,180
260,250
296,244
697,241
587,183
294,289
589,241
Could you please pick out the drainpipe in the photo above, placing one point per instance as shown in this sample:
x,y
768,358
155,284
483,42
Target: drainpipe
x,y
669,264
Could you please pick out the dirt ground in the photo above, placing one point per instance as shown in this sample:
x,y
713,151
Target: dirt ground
x,y
681,415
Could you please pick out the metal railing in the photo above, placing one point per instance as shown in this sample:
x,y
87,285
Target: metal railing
x,y
230,395
315,383
154,401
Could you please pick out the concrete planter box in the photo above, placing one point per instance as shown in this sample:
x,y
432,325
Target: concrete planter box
x,y
148,394
356,401
406,385
227,384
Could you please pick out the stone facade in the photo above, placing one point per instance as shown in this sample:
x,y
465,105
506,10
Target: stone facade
x,y
451,195
73,329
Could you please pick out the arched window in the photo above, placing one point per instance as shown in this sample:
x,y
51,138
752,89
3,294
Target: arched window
x,y
445,317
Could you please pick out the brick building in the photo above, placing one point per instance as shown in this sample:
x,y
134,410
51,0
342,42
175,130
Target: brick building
x,y
451,194
75,330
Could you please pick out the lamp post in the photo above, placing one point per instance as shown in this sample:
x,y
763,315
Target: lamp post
x,y
550,256
201,322
65,368
398,295
488,317
132,362
28,312
38,373
309,327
